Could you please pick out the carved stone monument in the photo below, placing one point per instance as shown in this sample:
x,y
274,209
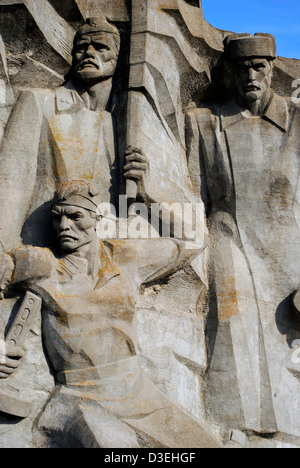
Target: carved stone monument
x,y
248,148
149,229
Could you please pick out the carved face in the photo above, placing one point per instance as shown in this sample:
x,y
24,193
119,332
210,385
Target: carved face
x,y
253,78
75,227
95,57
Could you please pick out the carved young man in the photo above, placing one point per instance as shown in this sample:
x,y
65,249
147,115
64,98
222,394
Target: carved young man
x,y
89,291
249,164
58,135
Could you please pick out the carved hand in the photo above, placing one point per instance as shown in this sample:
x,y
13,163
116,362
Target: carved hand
x,y
9,360
6,271
296,301
137,168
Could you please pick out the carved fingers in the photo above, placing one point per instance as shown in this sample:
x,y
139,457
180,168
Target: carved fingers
x,y
6,272
137,169
136,164
10,361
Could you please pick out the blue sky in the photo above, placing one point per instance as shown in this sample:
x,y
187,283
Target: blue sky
x,y
278,17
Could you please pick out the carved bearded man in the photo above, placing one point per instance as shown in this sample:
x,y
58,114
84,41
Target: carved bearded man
x,y
58,135
249,177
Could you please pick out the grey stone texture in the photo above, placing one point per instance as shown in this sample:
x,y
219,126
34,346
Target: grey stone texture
x,y
177,340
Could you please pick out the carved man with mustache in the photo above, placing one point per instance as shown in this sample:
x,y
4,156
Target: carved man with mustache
x,y
245,147
103,397
95,55
68,133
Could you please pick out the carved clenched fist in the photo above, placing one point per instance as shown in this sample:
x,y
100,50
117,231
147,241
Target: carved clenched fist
x,y
137,169
9,360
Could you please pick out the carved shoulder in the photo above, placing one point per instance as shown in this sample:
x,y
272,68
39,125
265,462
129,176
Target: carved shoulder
x,y
26,117
32,263
200,122
198,115
37,96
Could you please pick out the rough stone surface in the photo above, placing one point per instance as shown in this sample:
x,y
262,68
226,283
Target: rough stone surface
x,y
176,339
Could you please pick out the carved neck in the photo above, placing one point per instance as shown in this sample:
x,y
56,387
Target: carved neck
x,y
258,108
96,96
91,253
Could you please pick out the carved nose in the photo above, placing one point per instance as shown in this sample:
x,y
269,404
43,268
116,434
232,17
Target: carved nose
x,y
90,51
251,74
64,225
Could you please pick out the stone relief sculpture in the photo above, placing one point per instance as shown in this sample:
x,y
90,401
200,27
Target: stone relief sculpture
x,y
61,135
174,341
88,292
249,165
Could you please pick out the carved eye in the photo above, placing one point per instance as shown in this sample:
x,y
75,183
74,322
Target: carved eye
x,y
76,216
55,215
81,48
100,47
259,67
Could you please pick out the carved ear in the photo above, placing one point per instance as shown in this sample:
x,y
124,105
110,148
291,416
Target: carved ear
x,y
93,192
97,218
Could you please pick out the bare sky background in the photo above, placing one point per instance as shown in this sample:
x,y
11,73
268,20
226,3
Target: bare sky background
x,y
278,17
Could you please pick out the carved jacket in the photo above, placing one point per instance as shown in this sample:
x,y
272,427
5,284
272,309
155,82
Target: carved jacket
x,y
88,318
91,339
247,171
248,168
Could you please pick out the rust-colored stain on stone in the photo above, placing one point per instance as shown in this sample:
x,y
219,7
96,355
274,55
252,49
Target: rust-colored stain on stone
x,y
227,300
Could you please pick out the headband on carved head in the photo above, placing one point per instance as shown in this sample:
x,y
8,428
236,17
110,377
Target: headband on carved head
x,y
239,46
97,25
80,194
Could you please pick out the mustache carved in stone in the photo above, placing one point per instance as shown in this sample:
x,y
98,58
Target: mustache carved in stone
x,y
88,62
